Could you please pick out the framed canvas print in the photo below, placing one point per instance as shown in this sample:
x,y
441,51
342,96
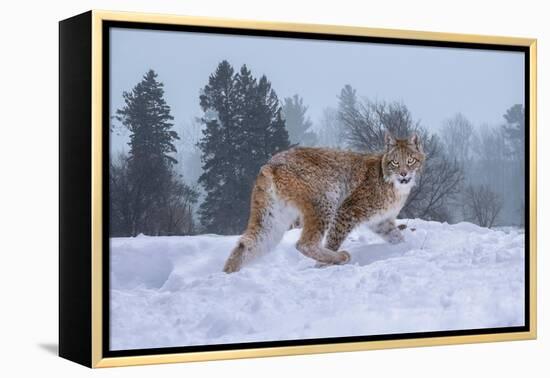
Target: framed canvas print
x,y
236,189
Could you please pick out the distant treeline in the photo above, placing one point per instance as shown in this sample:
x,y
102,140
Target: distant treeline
x,y
164,185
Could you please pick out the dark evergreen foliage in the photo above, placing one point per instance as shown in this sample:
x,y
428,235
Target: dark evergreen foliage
x,y
243,129
146,195
514,131
297,123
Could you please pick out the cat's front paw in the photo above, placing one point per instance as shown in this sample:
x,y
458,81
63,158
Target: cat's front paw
x,y
395,237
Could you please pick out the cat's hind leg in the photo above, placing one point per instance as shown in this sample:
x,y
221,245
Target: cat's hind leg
x,y
269,218
310,242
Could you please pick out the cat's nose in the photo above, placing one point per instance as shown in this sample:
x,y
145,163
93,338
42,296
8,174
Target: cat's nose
x,y
403,174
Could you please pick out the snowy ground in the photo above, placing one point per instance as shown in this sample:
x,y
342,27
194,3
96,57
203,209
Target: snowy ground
x,y
170,291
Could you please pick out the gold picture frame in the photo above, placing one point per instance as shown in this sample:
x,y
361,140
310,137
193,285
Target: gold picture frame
x,y
89,329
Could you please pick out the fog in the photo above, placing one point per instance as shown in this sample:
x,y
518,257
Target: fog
x,y
433,82
467,104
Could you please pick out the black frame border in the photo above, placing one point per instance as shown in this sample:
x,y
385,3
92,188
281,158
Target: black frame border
x,y
75,202
107,25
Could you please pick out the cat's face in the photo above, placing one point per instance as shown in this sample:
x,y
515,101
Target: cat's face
x,y
402,161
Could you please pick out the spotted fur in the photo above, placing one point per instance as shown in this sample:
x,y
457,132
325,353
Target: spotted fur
x,y
331,191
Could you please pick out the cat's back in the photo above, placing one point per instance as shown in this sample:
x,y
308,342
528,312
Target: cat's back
x,y
314,170
315,158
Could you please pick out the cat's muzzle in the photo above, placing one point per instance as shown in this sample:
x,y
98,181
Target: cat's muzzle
x,y
405,180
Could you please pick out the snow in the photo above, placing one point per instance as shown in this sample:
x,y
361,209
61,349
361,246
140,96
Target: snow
x,y
170,291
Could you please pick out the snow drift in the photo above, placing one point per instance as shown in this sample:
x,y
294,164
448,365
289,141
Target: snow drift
x,y
170,291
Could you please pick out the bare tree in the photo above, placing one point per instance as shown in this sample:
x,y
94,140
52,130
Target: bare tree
x,y
489,145
482,205
174,213
457,134
364,125
495,167
436,189
170,212
121,211
328,130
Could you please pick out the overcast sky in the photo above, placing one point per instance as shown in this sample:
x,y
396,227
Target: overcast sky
x,y
434,82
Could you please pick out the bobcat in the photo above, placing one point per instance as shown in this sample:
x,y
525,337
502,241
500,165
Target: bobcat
x,y
330,191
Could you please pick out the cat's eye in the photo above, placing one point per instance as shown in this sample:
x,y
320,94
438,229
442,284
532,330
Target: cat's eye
x,y
411,161
394,163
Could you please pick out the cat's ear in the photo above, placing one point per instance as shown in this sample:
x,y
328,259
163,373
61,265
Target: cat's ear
x,y
415,141
389,140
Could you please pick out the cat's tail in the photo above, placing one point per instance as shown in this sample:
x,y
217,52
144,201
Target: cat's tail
x,y
269,218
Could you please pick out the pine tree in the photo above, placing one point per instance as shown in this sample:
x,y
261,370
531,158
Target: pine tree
x,y
217,144
150,160
297,123
244,128
514,130
348,112
271,117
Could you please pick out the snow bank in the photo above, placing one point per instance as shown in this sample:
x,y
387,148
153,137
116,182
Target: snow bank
x,y
170,291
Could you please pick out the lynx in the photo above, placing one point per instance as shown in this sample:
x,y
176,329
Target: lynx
x,y
330,192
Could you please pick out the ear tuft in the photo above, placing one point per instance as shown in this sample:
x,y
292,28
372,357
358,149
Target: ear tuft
x,y
389,140
415,141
